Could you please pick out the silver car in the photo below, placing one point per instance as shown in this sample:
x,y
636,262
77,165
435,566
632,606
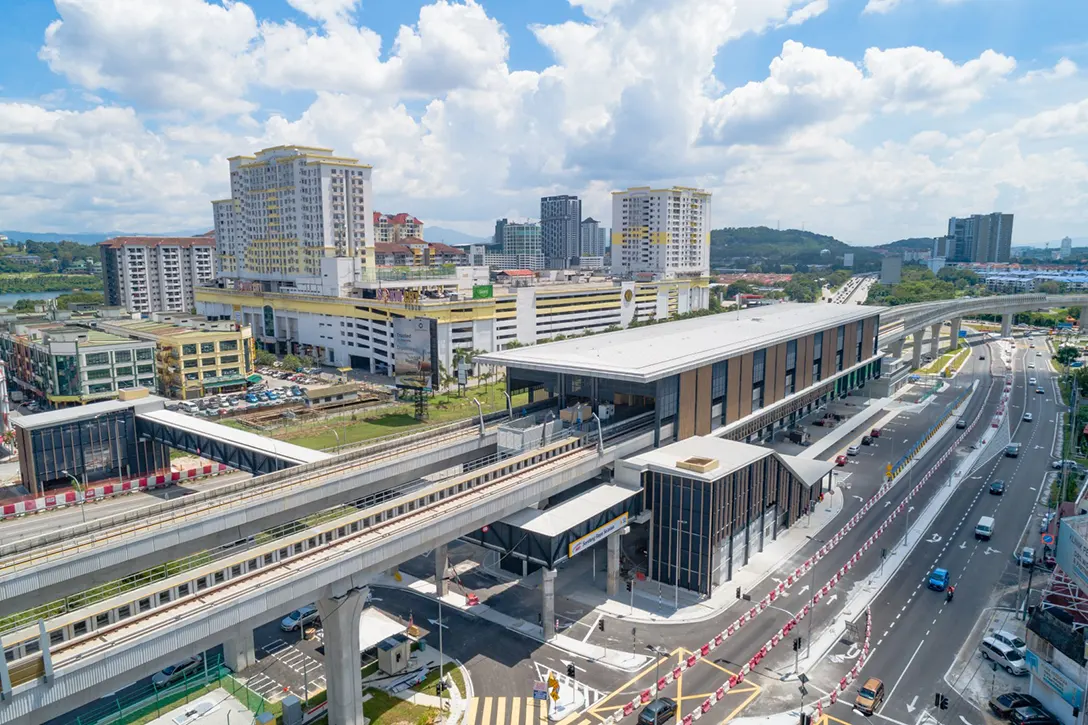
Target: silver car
x,y
299,618
177,671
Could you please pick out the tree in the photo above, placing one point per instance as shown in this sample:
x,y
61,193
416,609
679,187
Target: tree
x,y
1066,356
292,362
739,287
306,361
1049,287
264,357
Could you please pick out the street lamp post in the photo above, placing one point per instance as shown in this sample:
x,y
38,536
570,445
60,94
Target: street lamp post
x,y
337,439
811,598
660,652
82,496
676,588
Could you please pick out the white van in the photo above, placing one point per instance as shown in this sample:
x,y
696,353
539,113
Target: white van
x,y
1004,655
984,529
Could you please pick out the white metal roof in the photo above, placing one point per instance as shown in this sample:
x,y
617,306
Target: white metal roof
x,y
563,517
240,438
731,456
644,354
84,412
809,470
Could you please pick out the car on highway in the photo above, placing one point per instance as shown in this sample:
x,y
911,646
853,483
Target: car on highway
x,y
853,450
997,487
870,696
938,580
1040,391
1031,366
1012,450
841,460
1027,556
1031,715
981,357
1032,381
177,671
299,618
1028,417
1011,640
1003,705
961,423
659,711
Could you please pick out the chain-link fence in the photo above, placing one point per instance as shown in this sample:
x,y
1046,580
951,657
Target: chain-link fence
x,y
148,702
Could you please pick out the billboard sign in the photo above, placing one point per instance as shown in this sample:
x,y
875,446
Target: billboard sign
x,y
415,355
579,545
482,291
1072,553
1057,680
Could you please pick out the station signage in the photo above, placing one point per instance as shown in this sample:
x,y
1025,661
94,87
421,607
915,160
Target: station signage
x,y
579,545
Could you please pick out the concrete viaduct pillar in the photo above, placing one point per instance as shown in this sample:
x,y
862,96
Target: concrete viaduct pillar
x,y
1006,324
916,362
895,349
238,651
441,584
957,323
547,605
935,340
341,606
613,585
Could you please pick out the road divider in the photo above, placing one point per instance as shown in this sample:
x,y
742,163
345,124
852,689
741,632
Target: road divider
x,y
98,493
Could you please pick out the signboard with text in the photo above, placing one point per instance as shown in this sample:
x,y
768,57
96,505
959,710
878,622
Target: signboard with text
x,y
1072,551
579,545
1057,680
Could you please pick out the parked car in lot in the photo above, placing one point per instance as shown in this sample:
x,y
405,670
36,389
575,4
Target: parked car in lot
x,y
853,450
177,671
299,618
875,432
1063,462
1005,656
1011,640
1003,705
866,440
841,460
1031,715
1027,556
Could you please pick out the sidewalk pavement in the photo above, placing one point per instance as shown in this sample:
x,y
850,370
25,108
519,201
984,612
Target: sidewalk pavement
x,y
615,659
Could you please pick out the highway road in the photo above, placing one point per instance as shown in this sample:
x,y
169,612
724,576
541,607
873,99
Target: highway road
x,y
917,634
34,524
866,478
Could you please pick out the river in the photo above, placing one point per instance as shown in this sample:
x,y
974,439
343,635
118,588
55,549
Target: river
x,y
7,300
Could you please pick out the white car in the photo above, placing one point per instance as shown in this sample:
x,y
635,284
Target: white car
x,y
1031,365
853,450
177,671
299,618
1031,381
1010,640
1027,417
1027,556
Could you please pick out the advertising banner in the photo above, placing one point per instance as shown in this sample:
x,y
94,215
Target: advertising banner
x,y
482,291
415,349
1072,553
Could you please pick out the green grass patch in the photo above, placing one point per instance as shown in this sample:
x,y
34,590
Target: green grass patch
x,y
939,364
427,687
400,419
385,709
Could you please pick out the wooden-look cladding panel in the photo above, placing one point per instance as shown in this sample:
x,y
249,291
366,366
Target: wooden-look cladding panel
x,y
770,364
686,414
746,384
805,348
704,399
732,391
850,346
780,374
830,343
867,332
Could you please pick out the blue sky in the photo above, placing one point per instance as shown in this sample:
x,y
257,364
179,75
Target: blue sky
x,y
899,110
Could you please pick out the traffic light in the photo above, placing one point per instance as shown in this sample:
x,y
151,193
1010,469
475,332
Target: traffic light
x,y
797,644
628,585
944,702
570,670
940,701
439,686
806,719
600,624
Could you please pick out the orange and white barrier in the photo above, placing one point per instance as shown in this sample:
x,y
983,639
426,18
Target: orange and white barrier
x,y
96,493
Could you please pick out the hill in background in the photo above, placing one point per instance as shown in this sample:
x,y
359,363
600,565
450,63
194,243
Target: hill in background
x,y
744,246
452,237
84,238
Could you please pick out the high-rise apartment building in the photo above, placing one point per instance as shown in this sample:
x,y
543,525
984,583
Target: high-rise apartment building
x,y
661,231
593,238
392,228
560,229
1067,248
156,274
290,207
980,238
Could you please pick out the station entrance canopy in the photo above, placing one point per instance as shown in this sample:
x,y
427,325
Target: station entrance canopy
x,y
547,538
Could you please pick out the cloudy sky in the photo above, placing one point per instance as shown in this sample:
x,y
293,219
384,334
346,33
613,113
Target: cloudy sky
x,y
868,119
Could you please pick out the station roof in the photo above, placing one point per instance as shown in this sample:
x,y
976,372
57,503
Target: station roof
x,y
730,456
645,354
559,519
85,412
240,438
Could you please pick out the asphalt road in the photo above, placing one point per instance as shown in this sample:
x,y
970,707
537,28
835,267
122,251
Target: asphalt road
x,y
917,633
32,525
866,478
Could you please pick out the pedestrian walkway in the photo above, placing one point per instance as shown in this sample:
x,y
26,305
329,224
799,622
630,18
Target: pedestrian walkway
x,y
506,711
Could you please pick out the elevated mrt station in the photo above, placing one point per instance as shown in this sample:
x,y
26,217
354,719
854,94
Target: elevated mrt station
x,y
709,493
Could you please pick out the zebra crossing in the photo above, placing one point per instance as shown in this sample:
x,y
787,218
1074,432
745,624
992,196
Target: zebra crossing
x,y
270,682
506,711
